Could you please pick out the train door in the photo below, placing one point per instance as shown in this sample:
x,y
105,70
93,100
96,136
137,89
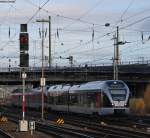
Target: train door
x,y
98,99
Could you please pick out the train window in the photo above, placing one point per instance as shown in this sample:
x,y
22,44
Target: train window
x,y
118,95
91,99
55,99
50,99
115,84
55,87
73,99
82,99
62,99
106,101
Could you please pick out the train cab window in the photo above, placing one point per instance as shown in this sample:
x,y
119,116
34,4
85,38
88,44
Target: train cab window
x,y
118,94
115,84
106,101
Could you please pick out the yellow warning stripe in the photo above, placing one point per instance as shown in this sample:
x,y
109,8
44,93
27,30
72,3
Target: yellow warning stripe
x,y
3,119
60,121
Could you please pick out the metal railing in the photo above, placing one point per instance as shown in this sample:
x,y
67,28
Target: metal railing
x,y
81,66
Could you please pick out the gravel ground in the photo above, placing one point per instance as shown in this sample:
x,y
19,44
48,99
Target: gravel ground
x,y
11,128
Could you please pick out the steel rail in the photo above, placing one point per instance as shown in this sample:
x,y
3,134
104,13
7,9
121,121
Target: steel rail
x,y
4,134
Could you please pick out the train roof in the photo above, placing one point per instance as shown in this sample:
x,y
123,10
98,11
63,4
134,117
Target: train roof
x,y
95,85
20,90
38,89
59,88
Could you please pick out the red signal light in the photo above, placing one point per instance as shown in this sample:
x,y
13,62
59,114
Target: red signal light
x,y
24,41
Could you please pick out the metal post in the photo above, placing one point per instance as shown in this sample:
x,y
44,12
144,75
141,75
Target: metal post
x,y
9,64
42,77
117,52
50,58
117,46
23,95
42,116
114,58
23,99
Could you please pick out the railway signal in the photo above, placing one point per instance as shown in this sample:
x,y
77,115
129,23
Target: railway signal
x,y
24,46
24,59
24,41
24,62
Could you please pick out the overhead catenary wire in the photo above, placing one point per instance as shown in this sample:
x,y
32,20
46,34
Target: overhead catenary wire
x,y
89,50
123,14
65,17
87,12
84,42
124,51
39,9
135,22
134,15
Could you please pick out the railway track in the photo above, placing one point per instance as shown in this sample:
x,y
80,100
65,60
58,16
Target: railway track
x,y
140,123
3,134
135,122
55,130
88,127
109,130
65,132
88,130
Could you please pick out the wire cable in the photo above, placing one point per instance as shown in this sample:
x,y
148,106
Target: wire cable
x,y
131,2
39,9
65,17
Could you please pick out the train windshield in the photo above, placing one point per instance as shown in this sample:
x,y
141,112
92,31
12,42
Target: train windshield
x,y
118,94
115,84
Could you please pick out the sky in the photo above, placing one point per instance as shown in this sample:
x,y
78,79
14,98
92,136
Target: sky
x,y
77,29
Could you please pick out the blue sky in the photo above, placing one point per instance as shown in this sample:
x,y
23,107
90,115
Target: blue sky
x,y
75,21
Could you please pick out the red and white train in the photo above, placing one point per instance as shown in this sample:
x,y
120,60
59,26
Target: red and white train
x,y
97,97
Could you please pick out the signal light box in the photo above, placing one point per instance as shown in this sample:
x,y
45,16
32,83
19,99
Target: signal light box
x,y
24,59
23,28
24,41
24,46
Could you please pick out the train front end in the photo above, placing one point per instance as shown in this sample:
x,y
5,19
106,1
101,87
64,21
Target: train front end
x,y
118,93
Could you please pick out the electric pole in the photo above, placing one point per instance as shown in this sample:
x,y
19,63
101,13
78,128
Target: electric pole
x,y
42,82
117,46
50,58
116,54
48,21
116,59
